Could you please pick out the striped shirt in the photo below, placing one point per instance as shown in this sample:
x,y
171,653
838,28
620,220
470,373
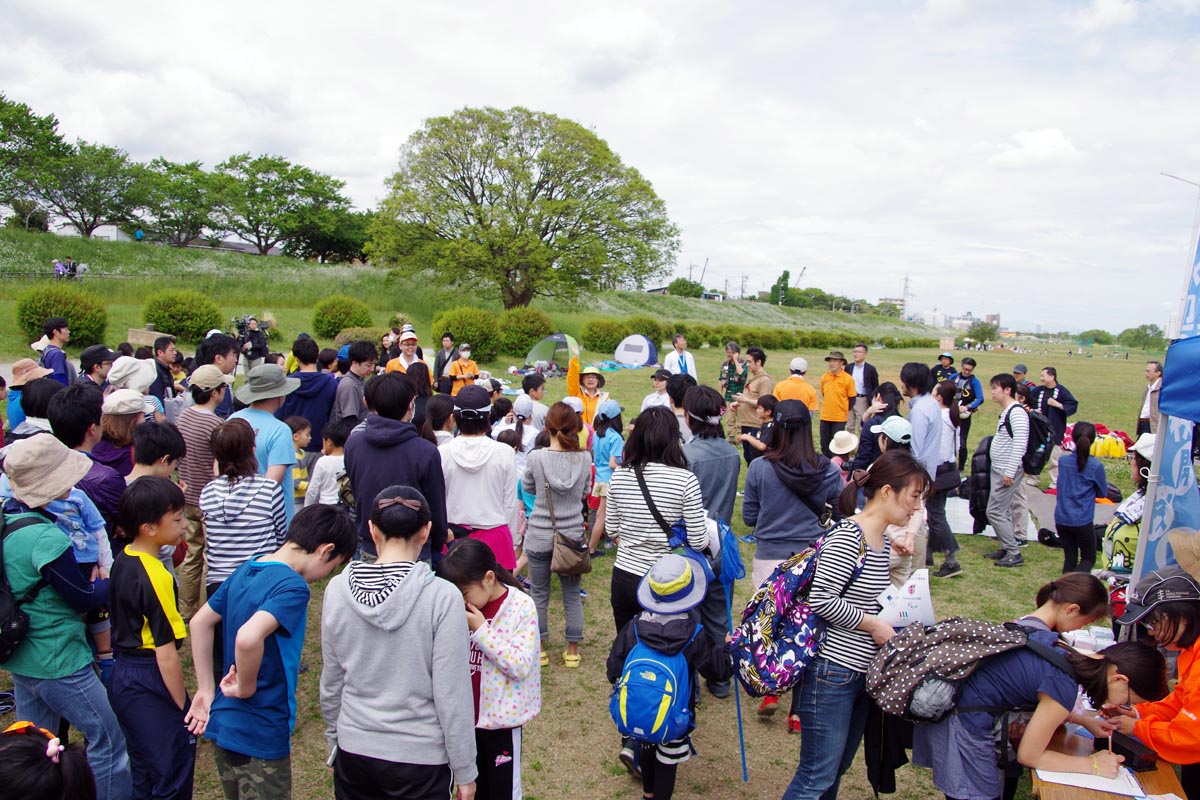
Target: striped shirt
x,y
241,520
196,426
1008,449
842,602
370,584
676,494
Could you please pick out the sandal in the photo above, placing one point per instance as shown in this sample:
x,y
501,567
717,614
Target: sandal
x,y
545,659
571,661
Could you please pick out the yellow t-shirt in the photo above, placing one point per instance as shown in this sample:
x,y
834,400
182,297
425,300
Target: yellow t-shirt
x,y
837,393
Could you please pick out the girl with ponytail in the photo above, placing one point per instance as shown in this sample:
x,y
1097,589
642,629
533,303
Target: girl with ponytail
x,y
1080,481
34,765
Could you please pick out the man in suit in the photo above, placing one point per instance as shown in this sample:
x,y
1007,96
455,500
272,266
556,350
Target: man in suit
x,y
866,381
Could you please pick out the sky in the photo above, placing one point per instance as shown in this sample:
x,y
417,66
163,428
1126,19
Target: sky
x,y
1006,156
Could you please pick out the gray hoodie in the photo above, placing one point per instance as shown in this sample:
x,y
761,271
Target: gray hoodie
x,y
380,663
569,475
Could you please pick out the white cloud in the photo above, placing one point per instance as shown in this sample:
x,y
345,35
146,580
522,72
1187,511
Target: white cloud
x,y
950,141
1036,148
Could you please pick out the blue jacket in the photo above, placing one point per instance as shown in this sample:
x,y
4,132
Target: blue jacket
x,y
388,452
1077,491
312,400
783,523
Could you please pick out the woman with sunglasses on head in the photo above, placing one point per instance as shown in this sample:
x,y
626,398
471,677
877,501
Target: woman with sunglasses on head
x,y
387,629
1166,603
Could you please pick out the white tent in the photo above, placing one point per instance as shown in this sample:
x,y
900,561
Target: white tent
x,y
636,350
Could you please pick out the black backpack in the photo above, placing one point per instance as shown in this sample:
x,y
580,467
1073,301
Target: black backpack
x,y
14,623
1040,444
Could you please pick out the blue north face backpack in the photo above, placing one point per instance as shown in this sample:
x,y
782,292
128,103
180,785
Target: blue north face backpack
x,y
652,700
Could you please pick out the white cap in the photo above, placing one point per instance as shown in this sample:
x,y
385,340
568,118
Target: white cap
x,y
575,403
799,365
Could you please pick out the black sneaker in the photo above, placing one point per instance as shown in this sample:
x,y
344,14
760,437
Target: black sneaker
x,y
1022,543
995,556
1014,560
948,570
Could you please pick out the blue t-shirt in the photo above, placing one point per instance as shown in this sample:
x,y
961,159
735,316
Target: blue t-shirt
x,y
1014,679
261,726
273,446
609,445
1077,491
13,410
77,517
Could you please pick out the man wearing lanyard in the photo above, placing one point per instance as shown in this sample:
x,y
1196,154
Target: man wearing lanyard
x,y
866,382
679,361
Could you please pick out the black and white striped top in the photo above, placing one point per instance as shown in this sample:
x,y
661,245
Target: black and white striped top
x,y
676,494
370,584
842,603
241,520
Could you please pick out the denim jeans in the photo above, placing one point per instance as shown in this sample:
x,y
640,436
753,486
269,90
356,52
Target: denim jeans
x,y
833,715
81,698
539,588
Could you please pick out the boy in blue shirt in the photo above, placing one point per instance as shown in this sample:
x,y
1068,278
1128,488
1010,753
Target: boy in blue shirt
x,y
264,609
607,447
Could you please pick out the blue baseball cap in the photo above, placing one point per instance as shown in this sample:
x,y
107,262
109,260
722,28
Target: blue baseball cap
x,y
343,352
609,409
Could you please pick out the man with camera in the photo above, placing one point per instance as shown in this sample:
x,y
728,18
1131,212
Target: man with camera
x,y
254,344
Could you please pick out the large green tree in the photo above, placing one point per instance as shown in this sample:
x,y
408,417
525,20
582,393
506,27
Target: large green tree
x,y
27,142
330,235
1143,337
261,199
92,185
981,331
682,287
523,203
175,202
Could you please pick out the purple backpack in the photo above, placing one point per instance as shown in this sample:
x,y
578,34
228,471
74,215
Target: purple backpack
x,y
780,633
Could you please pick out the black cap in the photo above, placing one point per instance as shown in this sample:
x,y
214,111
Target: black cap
x,y
1166,585
96,354
661,375
473,398
792,414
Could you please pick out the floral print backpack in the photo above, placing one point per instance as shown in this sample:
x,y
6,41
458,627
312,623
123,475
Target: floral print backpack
x,y
780,633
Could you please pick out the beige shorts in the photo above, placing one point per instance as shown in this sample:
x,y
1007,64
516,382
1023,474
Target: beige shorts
x,y
600,490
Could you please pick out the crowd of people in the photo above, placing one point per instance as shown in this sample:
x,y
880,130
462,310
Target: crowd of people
x,y
147,502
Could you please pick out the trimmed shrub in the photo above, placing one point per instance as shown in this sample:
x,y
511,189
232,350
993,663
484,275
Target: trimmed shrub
x,y
398,320
603,335
649,327
338,312
474,326
183,313
348,335
521,329
84,312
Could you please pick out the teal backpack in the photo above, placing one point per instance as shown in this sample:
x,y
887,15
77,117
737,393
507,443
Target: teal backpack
x,y
652,700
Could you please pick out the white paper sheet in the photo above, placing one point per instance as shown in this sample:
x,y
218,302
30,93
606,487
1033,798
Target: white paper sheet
x,y
1125,783
909,604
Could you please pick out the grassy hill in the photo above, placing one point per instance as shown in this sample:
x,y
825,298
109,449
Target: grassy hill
x,y
124,273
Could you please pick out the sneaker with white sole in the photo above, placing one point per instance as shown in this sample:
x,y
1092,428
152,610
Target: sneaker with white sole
x,y
1014,560
949,570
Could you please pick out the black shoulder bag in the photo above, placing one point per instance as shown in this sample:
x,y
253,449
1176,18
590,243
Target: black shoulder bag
x,y
14,623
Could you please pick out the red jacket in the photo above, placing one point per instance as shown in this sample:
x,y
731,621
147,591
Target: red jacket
x,y
1172,725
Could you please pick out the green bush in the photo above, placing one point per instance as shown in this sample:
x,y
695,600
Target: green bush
x,y
603,335
338,312
521,329
398,320
649,327
183,313
85,313
474,326
348,335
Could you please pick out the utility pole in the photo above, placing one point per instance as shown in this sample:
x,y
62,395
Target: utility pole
x,y
727,287
744,279
690,266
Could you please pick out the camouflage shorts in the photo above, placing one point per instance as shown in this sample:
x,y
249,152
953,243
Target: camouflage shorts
x,y
245,778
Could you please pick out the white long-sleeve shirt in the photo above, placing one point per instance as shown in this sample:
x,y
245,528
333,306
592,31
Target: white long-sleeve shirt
x,y
672,363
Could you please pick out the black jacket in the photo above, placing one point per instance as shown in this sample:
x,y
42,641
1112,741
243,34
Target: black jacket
x,y
258,344
870,378
1057,416
164,382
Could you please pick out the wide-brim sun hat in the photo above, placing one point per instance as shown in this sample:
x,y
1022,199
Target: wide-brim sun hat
x,y
593,371
896,428
25,370
128,372
1167,585
671,586
843,442
836,355
41,469
1185,546
266,381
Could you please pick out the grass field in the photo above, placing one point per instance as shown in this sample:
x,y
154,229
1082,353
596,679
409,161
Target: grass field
x,y
570,749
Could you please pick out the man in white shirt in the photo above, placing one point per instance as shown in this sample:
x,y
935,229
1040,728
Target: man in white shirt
x,y
866,381
659,396
1148,415
679,361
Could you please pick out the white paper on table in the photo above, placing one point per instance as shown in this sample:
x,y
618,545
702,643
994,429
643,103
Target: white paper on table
x,y
1124,783
908,604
